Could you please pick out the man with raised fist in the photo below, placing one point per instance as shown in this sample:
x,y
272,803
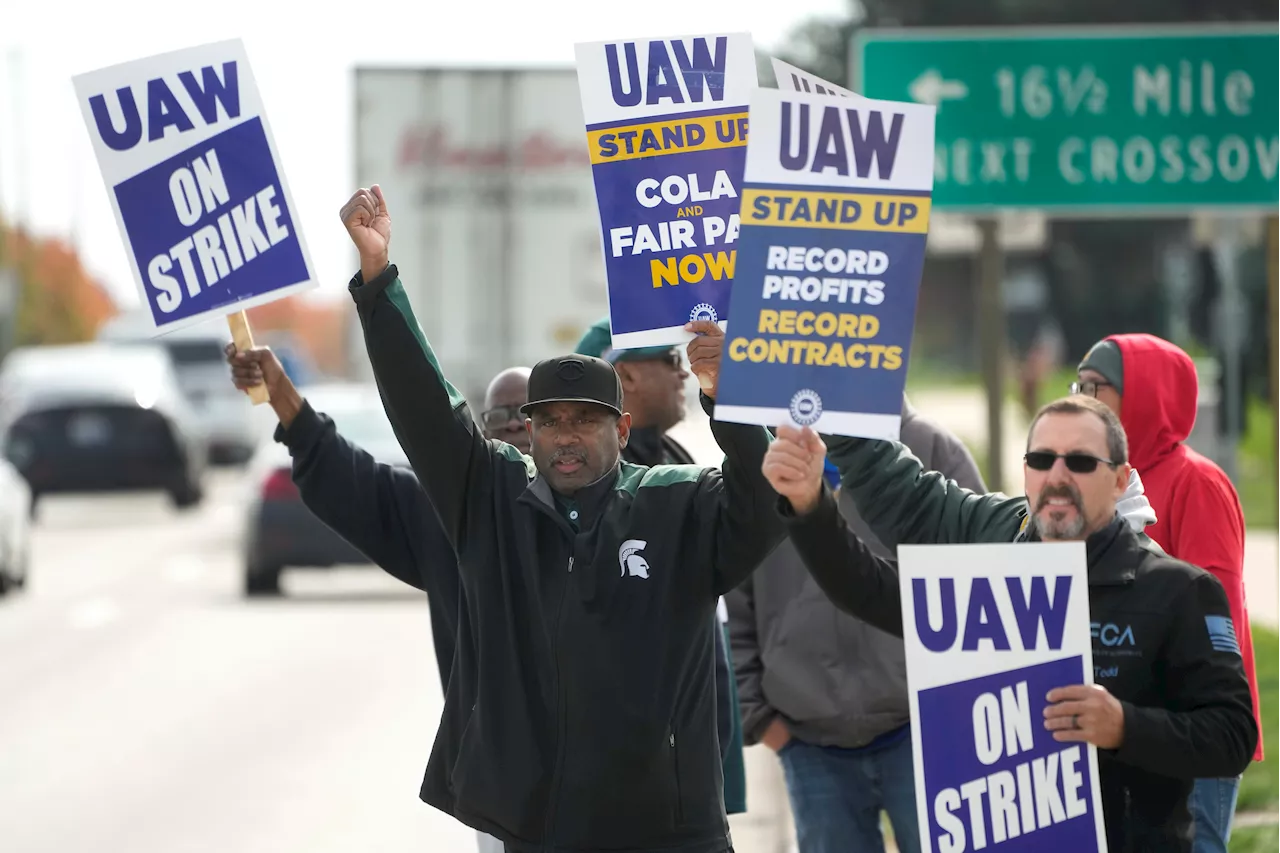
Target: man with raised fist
x,y
581,714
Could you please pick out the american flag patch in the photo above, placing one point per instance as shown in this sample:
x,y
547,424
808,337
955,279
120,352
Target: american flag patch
x,y
1222,634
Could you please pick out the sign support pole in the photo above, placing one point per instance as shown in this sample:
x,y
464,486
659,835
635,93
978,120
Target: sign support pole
x,y
991,342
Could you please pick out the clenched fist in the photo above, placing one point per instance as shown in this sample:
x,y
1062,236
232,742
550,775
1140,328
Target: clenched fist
x,y
260,365
368,223
704,353
793,466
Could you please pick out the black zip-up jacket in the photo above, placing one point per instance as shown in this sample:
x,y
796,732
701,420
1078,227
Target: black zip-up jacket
x,y
383,512
1187,708
649,447
580,714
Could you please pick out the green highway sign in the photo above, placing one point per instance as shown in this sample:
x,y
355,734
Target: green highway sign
x,y
1135,119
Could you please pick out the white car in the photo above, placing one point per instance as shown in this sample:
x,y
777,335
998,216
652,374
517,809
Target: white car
x,y
226,414
15,528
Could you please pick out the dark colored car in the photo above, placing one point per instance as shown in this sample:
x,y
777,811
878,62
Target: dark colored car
x,y
100,418
280,531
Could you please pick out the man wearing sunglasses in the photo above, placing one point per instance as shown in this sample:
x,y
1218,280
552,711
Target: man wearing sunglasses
x,y
1169,703
653,389
1152,387
653,392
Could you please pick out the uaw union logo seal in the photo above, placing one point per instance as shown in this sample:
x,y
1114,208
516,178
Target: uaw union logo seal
x,y
806,407
703,311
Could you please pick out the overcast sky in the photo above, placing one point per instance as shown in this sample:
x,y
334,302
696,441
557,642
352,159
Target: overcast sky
x,y
303,68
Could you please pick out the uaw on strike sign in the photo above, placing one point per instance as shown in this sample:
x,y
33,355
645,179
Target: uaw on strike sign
x,y
192,172
989,630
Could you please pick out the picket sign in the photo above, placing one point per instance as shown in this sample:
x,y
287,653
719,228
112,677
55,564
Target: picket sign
x,y
195,182
666,126
988,631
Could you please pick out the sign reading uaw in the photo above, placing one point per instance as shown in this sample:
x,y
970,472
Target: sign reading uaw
x,y
667,133
989,630
194,178
835,213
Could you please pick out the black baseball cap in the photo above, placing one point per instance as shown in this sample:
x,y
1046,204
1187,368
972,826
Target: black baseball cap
x,y
574,379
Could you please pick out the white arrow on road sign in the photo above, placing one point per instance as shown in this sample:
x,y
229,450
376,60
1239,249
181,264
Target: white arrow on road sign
x,y
932,88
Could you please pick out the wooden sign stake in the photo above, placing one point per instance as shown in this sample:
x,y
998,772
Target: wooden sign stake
x,y
243,337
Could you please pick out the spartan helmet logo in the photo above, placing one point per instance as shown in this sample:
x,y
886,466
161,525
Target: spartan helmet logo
x,y
630,560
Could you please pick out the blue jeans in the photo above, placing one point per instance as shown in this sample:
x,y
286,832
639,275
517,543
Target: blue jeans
x,y
837,795
1213,805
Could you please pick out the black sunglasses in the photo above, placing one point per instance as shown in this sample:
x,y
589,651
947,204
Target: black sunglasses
x,y
1077,463
671,358
1089,388
500,416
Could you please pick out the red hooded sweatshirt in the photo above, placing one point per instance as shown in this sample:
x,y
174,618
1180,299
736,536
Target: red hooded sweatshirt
x,y
1198,515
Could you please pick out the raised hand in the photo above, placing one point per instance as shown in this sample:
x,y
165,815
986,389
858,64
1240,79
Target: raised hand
x,y
253,367
793,466
258,365
704,353
368,223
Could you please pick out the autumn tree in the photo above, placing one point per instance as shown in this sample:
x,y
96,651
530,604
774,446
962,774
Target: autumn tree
x,y
57,301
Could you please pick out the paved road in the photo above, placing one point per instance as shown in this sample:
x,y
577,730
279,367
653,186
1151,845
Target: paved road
x,y
145,707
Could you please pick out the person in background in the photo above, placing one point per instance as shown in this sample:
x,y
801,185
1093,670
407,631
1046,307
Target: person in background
x,y
828,692
1035,338
1152,387
500,419
382,510
653,392
1172,707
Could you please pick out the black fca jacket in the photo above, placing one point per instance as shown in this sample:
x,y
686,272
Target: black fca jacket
x,y
1187,708
580,714
649,447
382,511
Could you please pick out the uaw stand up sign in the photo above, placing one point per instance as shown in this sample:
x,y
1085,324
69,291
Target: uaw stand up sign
x,y
667,133
194,178
835,213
